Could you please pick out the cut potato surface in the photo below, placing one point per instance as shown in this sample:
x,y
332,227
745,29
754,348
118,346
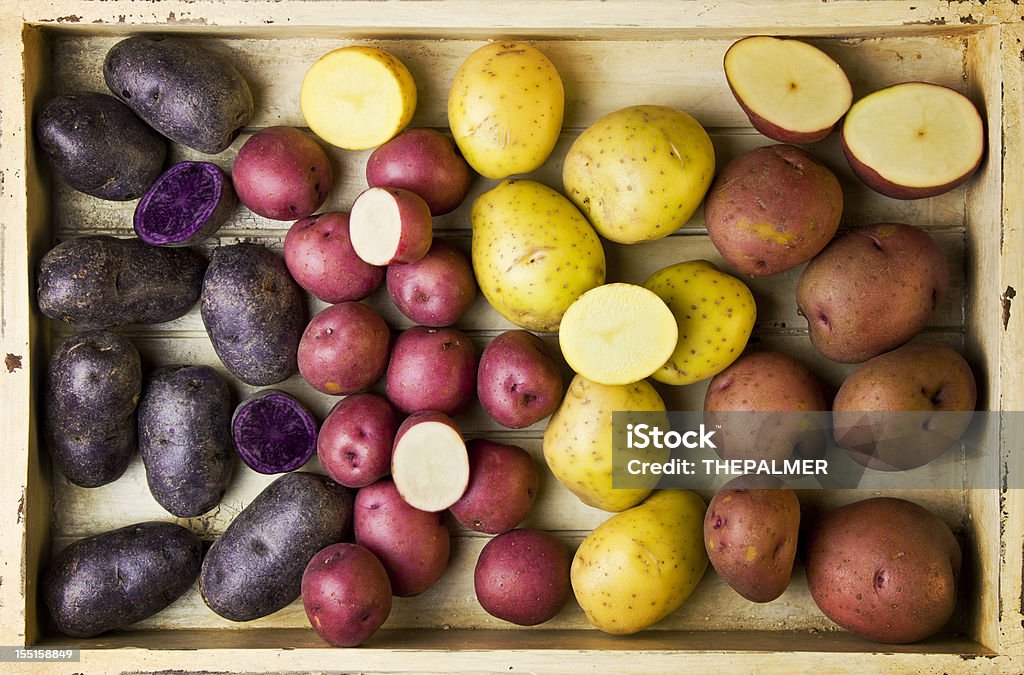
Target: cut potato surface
x,y
617,334
390,225
430,464
357,97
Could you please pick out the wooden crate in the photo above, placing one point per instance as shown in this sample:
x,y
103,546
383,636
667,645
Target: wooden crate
x,y
610,54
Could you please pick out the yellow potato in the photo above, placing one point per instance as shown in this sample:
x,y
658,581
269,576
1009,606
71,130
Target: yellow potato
x,y
357,97
640,173
617,334
641,565
505,108
533,253
715,313
578,441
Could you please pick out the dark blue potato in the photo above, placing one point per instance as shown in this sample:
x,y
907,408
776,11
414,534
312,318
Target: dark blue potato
x,y
184,91
254,313
98,146
92,387
187,204
256,566
184,437
114,579
102,282
273,432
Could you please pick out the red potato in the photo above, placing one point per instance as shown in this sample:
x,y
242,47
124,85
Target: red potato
x,y
390,226
346,594
429,463
502,487
518,381
413,545
522,577
425,162
344,349
437,289
355,441
320,257
432,369
282,174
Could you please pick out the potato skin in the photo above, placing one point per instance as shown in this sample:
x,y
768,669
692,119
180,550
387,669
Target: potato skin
x,y
346,594
93,385
184,437
98,146
185,92
254,313
522,577
114,579
884,568
98,281
255,568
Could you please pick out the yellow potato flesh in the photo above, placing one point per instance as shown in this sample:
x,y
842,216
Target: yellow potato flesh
x,y
505,109
715,313
357,97
617,334
641,565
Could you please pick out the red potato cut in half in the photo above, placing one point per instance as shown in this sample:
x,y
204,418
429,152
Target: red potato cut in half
x,y
430,463
913,140
791,91
390,226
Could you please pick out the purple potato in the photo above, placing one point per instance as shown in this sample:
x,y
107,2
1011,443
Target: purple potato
x,y
186,205
273,432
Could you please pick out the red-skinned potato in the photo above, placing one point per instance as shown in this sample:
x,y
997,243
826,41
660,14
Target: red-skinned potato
x,y
871,290
390,226
320,257
429,462
772,209
437,289
344,349
518,381
356,438
522,577
750,532
884,568
346,594
425,162
282,174
502,487
413,545
432,369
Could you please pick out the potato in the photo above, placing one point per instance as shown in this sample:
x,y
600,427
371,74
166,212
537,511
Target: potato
x,y
904,408
98,146
639,173
784,397
714,313
641,565
771,209
355,441
505,108
522,577
518,380
390,226
871,290
357,97
502,487
423,161
432,369
98,281
255,568
429,461
184,436
184,91
578,440
273,432
750,532
253,312
346,594
885,569
413,545
93,384
437,289
282,174
111,580
533,253
185,206
319,255
344,349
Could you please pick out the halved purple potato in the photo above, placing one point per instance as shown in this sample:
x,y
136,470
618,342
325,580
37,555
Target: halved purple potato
x,y
186,204
273,432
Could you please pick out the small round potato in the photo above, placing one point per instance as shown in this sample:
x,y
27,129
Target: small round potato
x,y
522,577
346,594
